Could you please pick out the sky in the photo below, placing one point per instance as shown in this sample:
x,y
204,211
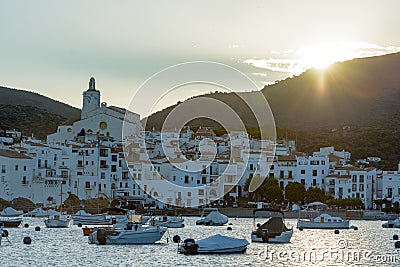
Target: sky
x,y
54,47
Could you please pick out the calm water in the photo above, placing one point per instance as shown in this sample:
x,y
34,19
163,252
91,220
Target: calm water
x,y
371,245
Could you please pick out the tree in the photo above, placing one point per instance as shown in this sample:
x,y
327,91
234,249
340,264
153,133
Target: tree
x,y
269,190
295,192
315,194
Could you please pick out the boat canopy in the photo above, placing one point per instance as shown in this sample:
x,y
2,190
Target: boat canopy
x,y
266,209
274,226
220,242
216,217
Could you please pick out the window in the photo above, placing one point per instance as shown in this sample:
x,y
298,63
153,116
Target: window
x,y
354,187
303,171
290,174
87,184
103,153
389,192
314,172
303,181
113,168
24,168
281,174
201,192
314,182
186,179
16,167
361,178
354,178
361,187
114,158
24,181
103,175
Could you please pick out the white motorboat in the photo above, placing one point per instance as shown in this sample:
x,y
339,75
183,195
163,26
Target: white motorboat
x,y
81,217
392,223
323,221
134,233
273,230
216,244
10,212
58,221
214,218
168,221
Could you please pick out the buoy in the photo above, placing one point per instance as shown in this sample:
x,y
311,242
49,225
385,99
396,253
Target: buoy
x,y
37,228
229,228
26,225
397,244
355,228
79,225
336,231
183,225
395,237
258,225
27,240
176,239
230,223
300,229
5,233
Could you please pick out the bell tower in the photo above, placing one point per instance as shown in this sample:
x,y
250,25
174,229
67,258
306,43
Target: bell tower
x,y
91,99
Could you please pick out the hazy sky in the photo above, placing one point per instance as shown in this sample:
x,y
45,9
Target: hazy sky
x,y
54,47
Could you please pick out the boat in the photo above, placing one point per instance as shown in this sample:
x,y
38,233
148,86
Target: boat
x,y
11,222
392,223
168,221
323,221
83,218
58,221
273,230
133,233
88,230
216,244
10,212
214,218
40,213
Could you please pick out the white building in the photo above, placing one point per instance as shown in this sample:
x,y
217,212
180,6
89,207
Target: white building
x,y
98,121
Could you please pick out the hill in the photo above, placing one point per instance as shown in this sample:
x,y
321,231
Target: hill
x,y
14,97
30,112
352,92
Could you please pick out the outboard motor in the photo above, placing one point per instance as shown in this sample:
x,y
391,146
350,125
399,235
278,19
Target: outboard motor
x,y
190,246
113,220
264,236
101,236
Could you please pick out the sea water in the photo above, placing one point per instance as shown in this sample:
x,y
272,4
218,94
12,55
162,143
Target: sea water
x,y
370,245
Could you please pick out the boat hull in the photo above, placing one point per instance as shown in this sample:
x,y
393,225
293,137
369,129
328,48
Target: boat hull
x,y
284,237
170,224
51,223
11,223
322,225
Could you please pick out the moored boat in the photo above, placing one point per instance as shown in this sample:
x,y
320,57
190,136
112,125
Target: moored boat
x,y
323,221
214,218
273,230
10,212
216,244
81,217
168,221
134,233
11,222
58,221
392,223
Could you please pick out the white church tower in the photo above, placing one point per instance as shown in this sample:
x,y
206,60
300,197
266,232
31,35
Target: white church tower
x,y
91,100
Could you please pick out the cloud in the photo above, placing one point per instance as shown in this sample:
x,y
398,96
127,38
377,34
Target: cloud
x,y
275,64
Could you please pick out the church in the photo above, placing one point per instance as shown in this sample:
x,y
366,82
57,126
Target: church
x,y
98,122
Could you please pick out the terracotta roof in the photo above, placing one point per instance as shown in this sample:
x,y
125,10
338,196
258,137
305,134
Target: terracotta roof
x,y
287,158
12,154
